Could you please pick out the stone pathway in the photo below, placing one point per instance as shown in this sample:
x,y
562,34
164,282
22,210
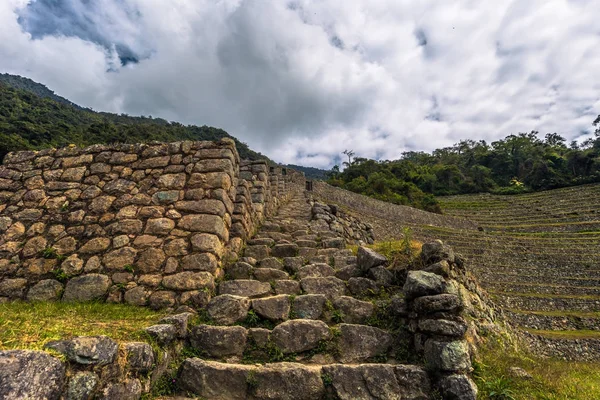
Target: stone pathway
x,y
300,317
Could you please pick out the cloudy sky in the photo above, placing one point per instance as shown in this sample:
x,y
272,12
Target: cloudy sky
x,y
302,80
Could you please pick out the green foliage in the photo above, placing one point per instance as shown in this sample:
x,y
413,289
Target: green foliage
x,y
515,164
33,117
129,268
60,275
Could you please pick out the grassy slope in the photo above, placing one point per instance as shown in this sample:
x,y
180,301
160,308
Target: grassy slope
x,y
31,325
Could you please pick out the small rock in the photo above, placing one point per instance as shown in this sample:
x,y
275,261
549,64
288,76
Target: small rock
x,y
284,250
354,311
179,321
330,286
441,302
269,274
86,288
381,275
443,327
314,271
140,356
245,288
45,290
436,251
363,287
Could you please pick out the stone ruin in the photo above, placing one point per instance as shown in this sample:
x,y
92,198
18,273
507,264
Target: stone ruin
x,y
190,228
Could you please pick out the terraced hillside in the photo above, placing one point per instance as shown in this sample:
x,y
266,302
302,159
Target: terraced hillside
x,y
538,255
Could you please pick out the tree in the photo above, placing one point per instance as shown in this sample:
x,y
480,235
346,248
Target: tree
x,y
349,153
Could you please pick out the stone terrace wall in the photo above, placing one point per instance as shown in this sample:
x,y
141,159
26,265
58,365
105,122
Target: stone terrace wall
x,y
143,224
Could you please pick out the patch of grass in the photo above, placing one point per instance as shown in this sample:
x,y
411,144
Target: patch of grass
x,y
30,325
570,334
552,379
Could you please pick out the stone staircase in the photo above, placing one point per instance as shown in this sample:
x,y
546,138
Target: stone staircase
x,y
300,317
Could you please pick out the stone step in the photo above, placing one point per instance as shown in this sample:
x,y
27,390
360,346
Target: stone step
x,y
531,302
292,381
306,340
229,309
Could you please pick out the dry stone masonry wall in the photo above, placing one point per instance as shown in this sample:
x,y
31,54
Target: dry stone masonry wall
x,y
136,223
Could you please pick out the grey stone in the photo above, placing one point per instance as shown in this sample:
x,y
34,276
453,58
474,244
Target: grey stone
x,y
271,262
309,306
354,311
136,296
269,274
292,264
359,343
87,350
299,335
286,286
162,299
457,387
260,336
288,381
330,286
130,389
239,270
381,275
257,252
334,243
413,381
447,356
368,381
219,341
363,287
284,250
189,281
228,309
162,333
314,271
421,283
443,327
179,321
45,290
245,288
140,356
214,380
349,271
82,386
368,258
13,288
86,288
26,374
275,308
436,251
399,307
441,302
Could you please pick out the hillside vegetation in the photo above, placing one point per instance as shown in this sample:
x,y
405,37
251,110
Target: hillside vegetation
x,y
516,164
33,117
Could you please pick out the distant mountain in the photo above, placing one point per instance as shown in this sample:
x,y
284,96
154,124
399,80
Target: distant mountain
x,y
20,82
310,172
33,117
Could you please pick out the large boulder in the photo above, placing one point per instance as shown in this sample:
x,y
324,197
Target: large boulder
x,y
26,374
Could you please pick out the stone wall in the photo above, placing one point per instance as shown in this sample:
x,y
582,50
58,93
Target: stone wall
x,y
142,224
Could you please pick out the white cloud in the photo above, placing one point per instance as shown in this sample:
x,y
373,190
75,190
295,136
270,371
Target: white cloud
x,y
303,80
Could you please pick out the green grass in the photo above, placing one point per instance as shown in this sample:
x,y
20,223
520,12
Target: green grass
x,y
574,334
31,325
552,379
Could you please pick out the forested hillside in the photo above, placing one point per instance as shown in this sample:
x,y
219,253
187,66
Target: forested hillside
x,y
516,164
33,117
